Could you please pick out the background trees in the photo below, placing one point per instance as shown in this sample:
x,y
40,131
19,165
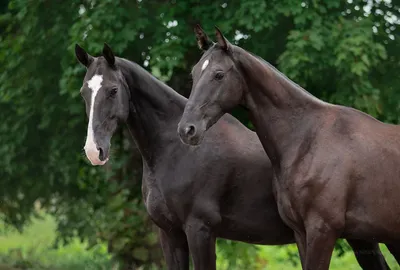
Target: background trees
x,y
345,52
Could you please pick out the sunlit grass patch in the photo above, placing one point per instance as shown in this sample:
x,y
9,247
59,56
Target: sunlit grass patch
x,y
34,249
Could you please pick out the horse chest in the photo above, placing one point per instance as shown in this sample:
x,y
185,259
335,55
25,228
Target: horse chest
x,y
158,210
157,207
290,199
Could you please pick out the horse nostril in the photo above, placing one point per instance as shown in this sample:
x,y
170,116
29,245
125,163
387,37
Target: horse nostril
x,y
190,130
101,153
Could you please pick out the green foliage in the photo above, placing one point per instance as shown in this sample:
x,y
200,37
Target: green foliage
x,y
227,258
345,52
34,250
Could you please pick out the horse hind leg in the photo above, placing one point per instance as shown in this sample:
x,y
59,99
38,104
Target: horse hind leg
x,y
368,255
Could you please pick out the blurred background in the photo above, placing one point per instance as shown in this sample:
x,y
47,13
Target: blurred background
x,y
59,212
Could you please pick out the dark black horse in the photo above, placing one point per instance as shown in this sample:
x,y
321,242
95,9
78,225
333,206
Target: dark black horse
x,y
337,170
193,194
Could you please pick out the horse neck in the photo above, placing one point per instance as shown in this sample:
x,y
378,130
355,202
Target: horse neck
x,y
280,109
154,110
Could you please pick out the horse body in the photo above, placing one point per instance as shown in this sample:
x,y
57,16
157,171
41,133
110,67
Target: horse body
x,y
369,153
340,168
209,184
193,194
212,184
336,169
328,181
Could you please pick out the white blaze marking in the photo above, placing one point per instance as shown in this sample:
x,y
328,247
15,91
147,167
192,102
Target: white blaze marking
x,y
205,64
90,146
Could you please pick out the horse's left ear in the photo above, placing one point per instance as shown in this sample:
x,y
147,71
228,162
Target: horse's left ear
x,y
108,55
222,41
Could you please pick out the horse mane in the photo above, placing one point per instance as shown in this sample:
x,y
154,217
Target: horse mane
x,y
178,98
262,61
281,75
151,79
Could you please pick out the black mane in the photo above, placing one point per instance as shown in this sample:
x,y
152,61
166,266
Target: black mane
x,y
143,77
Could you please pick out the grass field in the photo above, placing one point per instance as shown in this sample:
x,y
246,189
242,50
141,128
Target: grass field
x,y
32,250
278,260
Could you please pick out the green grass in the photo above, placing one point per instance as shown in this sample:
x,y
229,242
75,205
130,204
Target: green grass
x,y
33,250
277,259
285,257
39,234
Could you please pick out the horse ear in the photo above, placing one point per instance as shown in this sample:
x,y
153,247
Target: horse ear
x,y
203,41
108,54
222,41
83,57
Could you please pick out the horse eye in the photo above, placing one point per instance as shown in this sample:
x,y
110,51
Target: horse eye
x,y
113,91
219,75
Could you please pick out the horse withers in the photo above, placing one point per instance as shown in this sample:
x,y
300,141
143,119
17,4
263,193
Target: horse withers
x,y
221,189
336,169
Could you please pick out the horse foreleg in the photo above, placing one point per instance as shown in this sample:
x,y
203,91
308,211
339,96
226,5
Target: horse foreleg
x,y
175,249
321,239
201,245
301,246
368,255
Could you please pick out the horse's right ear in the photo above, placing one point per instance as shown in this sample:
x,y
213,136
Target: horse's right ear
x,y
203,41
222,41
83,57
